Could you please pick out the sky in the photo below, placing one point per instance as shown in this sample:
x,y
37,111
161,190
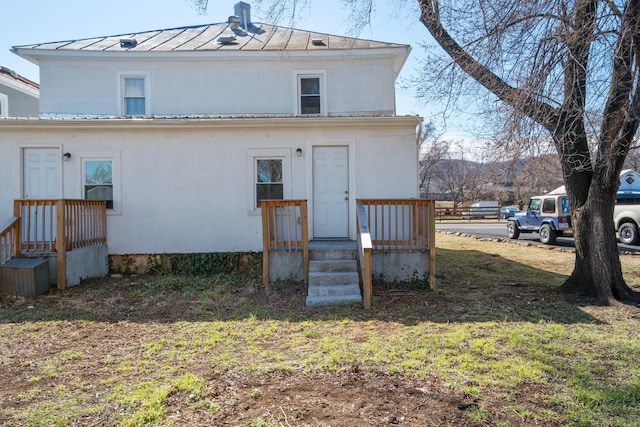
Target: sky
x,y
37,21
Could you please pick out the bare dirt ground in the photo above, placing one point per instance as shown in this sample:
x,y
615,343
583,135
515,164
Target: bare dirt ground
x,y
121,319
114,319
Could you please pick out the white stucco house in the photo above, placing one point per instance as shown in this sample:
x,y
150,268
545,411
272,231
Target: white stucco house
x,y
183,131
18,95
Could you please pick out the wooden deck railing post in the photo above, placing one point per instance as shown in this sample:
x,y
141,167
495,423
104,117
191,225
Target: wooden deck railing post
x,y
431,224
364,254
61,245
367,284
266,244
305,240
17,246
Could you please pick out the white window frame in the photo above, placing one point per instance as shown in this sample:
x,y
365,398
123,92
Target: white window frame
x,y
114,157
4,105
122,76
252,157
320,74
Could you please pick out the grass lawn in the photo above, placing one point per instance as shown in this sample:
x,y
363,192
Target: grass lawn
x,y
496,345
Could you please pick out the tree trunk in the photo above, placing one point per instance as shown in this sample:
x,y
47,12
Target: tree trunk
x,y
595,243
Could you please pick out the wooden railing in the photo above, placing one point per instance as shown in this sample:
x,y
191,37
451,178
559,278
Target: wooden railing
x,y
364,254
47,225
402,225
10,241
284,227
53,225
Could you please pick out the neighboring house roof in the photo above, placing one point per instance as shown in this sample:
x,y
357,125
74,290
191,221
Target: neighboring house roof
x,y
10,78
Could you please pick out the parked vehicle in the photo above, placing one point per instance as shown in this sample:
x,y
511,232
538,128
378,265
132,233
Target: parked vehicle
x,y
626,212
548,215
552,218
481,209
507,212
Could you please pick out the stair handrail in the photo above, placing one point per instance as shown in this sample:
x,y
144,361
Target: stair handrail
x,y
10,240
364,254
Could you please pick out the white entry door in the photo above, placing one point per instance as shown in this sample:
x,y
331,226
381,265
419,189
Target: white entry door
x,y
41,179
41,173
331,192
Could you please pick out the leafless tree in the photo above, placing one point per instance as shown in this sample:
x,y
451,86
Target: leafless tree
x,y
432,151
552,63
457,176
633,159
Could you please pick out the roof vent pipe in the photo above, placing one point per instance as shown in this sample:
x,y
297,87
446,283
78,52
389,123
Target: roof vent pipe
x,y
243,10
128,42
234,22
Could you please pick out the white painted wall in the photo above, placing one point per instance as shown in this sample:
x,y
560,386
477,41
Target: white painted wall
x,y
18,100
185,183
227,86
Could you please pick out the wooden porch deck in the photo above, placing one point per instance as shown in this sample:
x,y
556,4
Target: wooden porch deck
x,y
387,229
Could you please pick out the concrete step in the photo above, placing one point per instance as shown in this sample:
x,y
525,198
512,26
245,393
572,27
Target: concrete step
x,y
333,278
336,265
325,254
327,290
314,301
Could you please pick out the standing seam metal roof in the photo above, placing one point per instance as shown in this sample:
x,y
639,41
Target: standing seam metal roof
x,y
258,37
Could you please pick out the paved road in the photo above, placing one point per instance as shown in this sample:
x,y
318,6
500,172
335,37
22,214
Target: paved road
x,y
499,230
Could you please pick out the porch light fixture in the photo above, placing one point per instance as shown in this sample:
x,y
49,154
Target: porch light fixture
x,y
299,152
66,156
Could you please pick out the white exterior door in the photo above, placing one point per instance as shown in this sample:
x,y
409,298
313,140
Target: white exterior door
x,y
41,173
331,192
41,179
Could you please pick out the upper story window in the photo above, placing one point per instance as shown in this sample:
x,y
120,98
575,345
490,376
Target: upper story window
x,y
134,94
311,93
4,105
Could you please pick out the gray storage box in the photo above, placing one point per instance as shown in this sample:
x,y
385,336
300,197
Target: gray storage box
x,y
27,277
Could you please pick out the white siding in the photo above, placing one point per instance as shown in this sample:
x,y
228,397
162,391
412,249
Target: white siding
x,y
184,187
88,86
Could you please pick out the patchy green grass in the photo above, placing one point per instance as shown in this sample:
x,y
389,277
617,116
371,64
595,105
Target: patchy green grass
x,y
496,345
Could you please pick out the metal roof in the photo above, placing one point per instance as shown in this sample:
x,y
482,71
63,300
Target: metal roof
x,y
212,37
12,75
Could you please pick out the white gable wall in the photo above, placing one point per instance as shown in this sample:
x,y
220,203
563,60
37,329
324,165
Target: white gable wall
x,y
186,186
17,99
184,85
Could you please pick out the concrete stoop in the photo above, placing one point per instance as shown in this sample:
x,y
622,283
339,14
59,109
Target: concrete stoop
x,y
333,277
